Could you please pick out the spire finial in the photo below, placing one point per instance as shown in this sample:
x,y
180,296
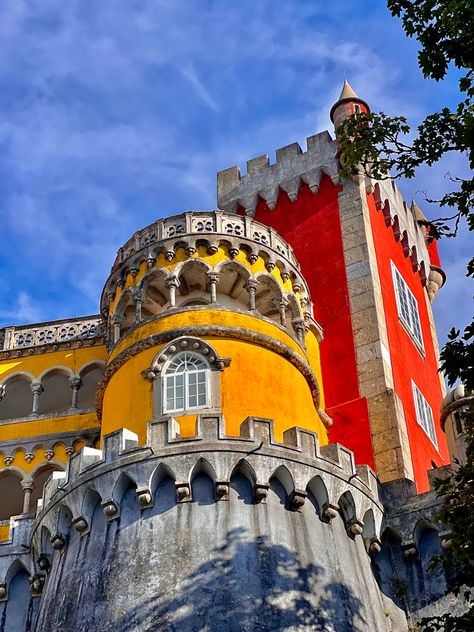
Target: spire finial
x,y
347,104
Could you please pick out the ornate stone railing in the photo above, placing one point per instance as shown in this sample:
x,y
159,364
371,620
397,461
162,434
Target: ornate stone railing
x,y
205,222
53,332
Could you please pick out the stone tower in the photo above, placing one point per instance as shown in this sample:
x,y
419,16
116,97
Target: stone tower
x,y
237,441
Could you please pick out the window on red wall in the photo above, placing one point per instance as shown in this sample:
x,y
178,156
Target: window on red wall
x,y
407,306
424,414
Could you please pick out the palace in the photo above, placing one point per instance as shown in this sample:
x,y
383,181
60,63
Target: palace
x,y
245,436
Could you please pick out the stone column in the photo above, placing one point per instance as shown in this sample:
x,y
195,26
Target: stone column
x,y
36,389
27,486
282,305
172,283
300,329
251,287
138,300
118,320
212,279
76,383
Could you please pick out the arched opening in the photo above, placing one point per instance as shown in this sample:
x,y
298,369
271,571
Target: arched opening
x,y
15,616
11,495
57,393
17,400
125,312
39,479
203,479
90,377
242,483
231,287
156,296
268,297
192,280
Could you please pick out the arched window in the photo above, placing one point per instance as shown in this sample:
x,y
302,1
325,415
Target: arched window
x,y
185,384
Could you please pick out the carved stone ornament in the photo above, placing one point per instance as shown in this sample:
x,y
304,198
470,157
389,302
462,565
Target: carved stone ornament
x,y
185,343
3,591
144,497
297,499
329,512
49,454
29,456
183,492
80,524
9,460
36,584
110,509
222,490
43,563
261,492
354,527
57,542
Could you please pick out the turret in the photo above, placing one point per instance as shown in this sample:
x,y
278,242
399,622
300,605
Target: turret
x,y
347,105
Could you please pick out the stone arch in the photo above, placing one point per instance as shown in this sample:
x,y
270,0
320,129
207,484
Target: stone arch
x,y
40,475
155,292
232,284
429,545
202,481
160,472
192,280
242,482
11,493
318,490
57,392
64,522
369,530
16,396
89,375
347,506
15,615
125,311
123,483
268,296
89,503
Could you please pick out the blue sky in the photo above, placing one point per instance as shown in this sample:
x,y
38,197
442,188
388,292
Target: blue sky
x,y
115,113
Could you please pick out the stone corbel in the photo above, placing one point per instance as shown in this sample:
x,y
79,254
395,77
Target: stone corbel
x,y
110,509
329,512
222,490
183,492
58,542
36,585
261,492
297,499
354,527
43,563
144,497
81,525
373,545
3,592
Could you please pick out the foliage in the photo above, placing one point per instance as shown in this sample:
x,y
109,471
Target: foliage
x,y
376,145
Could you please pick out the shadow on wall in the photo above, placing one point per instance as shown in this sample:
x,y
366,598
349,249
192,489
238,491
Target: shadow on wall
x,y
250,585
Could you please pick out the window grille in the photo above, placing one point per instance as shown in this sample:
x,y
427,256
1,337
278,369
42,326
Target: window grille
x,y
185,384
424,414
407,306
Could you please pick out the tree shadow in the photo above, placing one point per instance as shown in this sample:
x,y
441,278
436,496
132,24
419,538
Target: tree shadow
x,y
249,584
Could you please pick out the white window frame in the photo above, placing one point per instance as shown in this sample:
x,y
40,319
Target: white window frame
x,y
407,307
167,377
424,414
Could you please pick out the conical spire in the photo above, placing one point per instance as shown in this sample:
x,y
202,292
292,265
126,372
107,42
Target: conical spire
x,y
347,104
418,213
347,92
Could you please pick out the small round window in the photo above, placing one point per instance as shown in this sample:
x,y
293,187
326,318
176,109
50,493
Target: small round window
x,y
185,383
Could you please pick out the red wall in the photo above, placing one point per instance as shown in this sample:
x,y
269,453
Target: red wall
x,y
312,226
407,361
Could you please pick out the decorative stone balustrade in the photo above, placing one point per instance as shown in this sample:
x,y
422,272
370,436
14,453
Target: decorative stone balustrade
x,y
54,332
205,222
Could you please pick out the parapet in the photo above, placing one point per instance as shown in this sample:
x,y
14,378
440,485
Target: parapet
x,y
302,467
293,167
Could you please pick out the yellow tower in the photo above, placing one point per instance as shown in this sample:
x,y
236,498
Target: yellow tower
x,y
207,313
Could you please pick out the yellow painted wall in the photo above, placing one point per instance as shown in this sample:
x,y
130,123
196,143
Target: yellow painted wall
x,y
259,382
4,532
36,364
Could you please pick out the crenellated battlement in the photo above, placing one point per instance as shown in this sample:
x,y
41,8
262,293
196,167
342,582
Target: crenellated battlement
x,y
263,180
327,473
